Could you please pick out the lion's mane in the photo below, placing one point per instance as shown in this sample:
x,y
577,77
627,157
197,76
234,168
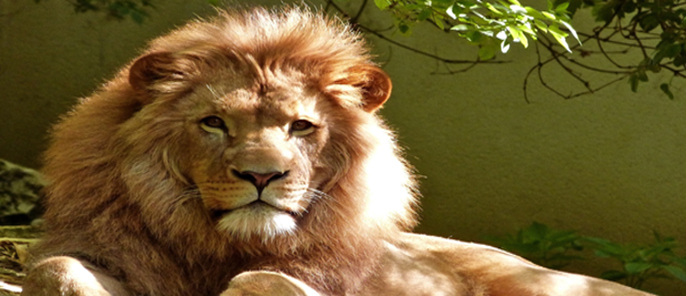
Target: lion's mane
x,y
120,198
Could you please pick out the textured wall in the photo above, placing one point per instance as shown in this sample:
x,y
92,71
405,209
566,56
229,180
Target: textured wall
x,y
610,165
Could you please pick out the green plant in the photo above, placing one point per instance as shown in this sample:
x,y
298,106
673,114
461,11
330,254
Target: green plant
x,y
492,25
543,245
653,32
657,28
137,10
638,263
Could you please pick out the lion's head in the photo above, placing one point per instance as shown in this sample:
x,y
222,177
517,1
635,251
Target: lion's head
x,y
254,132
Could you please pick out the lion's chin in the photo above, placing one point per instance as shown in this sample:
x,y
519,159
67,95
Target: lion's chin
x,y
260,220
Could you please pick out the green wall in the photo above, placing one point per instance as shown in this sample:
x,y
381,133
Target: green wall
x,y
609,165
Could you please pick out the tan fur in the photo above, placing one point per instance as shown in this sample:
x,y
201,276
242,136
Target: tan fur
x,y
155,177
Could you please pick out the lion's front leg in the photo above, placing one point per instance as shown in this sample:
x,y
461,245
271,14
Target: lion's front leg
x,y
266,283
66,276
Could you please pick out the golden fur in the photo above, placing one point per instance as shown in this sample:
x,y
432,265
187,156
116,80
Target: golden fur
x,y
155,178
128,164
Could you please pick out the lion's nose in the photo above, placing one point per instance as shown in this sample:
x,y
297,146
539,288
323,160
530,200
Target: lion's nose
x,y
260,180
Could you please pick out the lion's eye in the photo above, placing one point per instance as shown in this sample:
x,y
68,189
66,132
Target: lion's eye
x,y
213,124
301,125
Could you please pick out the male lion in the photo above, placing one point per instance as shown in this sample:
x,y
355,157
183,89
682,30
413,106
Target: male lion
x,y
244,156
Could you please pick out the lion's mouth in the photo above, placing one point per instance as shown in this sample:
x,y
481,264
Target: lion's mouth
x,y
217,214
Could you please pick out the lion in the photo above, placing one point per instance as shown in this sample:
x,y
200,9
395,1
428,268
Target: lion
x,y
244,155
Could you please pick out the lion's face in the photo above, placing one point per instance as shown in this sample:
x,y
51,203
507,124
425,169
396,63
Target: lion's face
x,y
267,141
260,171
259,146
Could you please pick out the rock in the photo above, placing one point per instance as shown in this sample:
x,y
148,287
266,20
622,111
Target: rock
x,y
14,244
20,189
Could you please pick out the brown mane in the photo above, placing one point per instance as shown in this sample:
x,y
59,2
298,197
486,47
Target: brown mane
x,y
120,197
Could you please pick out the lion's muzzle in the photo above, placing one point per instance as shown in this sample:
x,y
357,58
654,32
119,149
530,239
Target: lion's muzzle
x,y
260,180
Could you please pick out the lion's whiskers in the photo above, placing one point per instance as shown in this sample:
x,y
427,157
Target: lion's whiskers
x,y
188,194
316,194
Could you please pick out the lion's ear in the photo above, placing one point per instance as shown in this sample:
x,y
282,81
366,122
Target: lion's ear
x,y
162,72
149,69
374,83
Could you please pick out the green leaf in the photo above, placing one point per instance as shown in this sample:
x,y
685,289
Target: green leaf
x,y
438,20
629,6
524,41
451,12
649,22
614,275
515,33
555,29
561,40
474,36
672,50
537,230
603,13
424,14
680,59
534,13
559,35
633,81
493,9
636,267
518,9
676,272
460,27
541,25
665,89
486,52
528,30
504,46
404,28
467,3
642,76
138,16
382,4
562,8
653,67
549,15
571,30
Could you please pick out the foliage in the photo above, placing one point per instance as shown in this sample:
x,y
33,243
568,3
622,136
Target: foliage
x,y
19,193
640,263
492,25
137,10
636,20
637,263
656,29
543,245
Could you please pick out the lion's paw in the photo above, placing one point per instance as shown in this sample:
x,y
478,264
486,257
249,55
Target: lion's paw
x,y
67,276
265,283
